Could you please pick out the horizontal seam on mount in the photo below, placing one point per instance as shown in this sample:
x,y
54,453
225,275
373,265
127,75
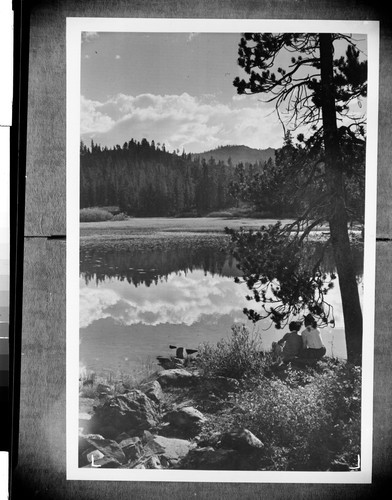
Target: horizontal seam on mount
x,y
46,237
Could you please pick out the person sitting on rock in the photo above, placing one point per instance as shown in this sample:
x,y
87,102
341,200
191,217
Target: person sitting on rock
x,y
313,347
290,345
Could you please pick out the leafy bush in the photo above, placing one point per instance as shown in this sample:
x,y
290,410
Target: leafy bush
x,y
307,418
94,214
238,357
309,427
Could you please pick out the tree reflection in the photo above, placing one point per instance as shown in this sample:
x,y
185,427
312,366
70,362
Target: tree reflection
x,y
152,266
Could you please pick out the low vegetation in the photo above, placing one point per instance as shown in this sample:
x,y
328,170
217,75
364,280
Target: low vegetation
x,y
92,383
100,214
239,356
307,418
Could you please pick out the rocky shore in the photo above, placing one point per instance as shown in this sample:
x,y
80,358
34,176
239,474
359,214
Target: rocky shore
x,y
165,424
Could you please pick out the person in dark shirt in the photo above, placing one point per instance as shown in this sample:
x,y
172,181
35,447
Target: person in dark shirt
x,y
290,345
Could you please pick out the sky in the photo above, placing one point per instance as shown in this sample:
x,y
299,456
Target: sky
x,y
173,88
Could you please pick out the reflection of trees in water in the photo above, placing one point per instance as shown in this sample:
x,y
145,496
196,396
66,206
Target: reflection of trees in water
x,y
154,266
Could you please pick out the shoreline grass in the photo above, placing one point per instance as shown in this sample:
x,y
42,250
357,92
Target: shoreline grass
x,y
115,381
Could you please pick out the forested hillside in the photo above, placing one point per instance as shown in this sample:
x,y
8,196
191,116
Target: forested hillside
x,y
234,155
143,179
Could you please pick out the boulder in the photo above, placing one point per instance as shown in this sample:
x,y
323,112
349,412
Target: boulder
x,y
153,390
94,456
106,452
122,436
84,444
177,377
166,362
171,449
241,440
187,420
108,447
132,413
131,447
169,363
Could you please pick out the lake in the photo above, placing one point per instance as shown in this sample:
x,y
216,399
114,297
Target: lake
x,y
141,293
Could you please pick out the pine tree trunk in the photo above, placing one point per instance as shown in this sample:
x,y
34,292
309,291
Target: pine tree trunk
x,y
338,221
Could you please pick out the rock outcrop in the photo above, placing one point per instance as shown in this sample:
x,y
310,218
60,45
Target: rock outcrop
x,y
153,428
186,421
110,454
241,440
132,412
177,377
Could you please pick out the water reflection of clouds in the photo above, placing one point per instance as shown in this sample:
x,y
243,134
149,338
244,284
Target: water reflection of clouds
x,y
94,304
192,300
179,300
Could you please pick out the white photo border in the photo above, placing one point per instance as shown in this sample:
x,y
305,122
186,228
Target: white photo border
x,y
74,28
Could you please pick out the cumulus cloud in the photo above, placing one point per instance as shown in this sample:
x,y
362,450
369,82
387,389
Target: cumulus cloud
x,y
180,121
93,120
180,300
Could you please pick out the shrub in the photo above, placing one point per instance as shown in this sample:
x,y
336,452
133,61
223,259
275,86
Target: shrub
x,y
94,214
308,427
238,357
120,216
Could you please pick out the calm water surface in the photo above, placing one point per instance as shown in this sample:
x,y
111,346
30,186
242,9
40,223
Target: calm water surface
x,y
133,305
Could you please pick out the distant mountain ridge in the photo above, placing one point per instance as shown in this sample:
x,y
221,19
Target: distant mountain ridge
x,y
238,154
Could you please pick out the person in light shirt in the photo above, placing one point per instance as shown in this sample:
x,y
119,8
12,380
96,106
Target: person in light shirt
x,y
313,347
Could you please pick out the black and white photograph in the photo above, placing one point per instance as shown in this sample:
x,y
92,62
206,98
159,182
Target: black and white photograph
x,y
221,229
